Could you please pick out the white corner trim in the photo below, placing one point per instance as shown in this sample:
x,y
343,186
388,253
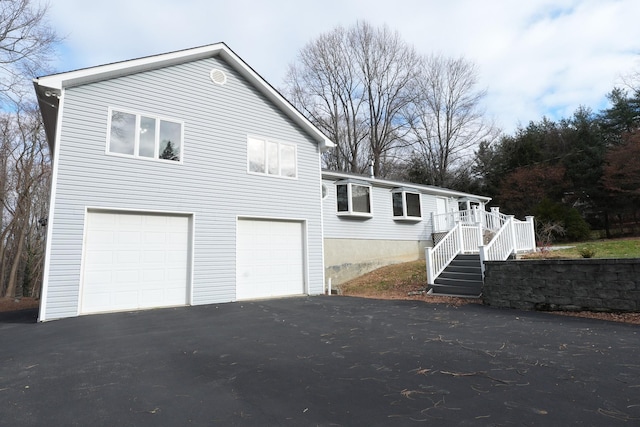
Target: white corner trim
x,y
42,314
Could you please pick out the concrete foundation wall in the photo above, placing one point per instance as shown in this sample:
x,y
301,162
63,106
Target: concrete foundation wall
x,y
345,259
580,284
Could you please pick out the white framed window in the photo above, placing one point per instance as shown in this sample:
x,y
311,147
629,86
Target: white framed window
x,y
144,136
270,157
406,204
353,199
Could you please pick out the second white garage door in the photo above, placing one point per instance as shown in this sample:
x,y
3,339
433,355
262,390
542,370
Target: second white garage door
x,y
270,259
134,261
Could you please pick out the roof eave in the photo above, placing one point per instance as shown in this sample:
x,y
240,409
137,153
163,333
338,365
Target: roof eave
x,y
438,191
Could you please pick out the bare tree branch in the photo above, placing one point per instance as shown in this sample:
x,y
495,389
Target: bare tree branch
x,y
446,119
353,84
27,44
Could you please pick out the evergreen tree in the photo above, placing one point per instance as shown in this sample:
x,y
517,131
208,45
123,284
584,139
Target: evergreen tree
x,y
169,153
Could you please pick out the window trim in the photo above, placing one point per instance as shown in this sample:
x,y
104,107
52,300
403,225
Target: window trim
x,y
266,157
136,142
350,212
405,216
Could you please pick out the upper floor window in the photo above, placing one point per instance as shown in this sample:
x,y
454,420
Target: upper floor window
x,y
353,199
406,204
144,136
271,157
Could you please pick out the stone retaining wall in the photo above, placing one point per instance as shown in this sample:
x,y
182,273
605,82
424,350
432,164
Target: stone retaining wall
x,y
573,285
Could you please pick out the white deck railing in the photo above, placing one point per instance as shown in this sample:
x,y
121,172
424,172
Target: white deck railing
x,y
525,234
493,220
510,236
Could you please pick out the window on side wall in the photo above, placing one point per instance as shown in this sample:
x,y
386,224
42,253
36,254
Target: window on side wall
x,y
273,158
353,199
144,136
406,205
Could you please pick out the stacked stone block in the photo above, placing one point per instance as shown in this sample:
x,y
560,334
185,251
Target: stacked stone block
x,y
609,285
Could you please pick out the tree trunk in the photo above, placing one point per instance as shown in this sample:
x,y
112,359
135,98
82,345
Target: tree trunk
x,y
606,224
13,274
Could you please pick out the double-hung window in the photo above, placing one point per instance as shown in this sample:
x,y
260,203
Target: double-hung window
x,y
144,136
353,199
406,204
271,158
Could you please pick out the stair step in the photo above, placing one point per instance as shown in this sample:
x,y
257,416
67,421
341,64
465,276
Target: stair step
x,y
475,275
457,282
466,261
467,257
450,290
464,269
462,277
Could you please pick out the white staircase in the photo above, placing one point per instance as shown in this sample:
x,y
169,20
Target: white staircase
x,y
455,265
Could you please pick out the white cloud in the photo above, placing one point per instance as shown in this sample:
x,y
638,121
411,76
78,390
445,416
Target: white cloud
x,y
542,57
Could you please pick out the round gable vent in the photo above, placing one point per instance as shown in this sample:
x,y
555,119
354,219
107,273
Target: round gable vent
x,y
218,76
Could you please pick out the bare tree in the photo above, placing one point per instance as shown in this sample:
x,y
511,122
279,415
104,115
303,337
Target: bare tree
x,y
24,199
27,44
326,86
354,85
447,120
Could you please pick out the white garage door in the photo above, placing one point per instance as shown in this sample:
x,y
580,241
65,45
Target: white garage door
x,y
134,261
270,259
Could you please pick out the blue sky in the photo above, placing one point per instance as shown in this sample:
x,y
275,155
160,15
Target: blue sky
x,y
535,57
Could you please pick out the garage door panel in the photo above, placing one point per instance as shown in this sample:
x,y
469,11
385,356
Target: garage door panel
x,y
270,259
134,261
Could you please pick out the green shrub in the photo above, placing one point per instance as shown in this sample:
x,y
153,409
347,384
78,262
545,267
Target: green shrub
x,y
587,252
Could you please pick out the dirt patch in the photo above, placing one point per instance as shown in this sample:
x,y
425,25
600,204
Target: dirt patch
x,y
406,281
15,304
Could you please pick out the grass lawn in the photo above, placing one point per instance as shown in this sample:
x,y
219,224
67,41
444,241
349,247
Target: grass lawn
x,y
618,248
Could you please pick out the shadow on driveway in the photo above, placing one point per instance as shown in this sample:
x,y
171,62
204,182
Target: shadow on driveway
x,y
320,361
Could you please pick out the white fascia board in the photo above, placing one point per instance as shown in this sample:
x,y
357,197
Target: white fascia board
x,y
58,82
427,189
117,69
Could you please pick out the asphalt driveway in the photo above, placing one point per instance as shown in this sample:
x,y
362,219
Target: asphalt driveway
x,y
330,361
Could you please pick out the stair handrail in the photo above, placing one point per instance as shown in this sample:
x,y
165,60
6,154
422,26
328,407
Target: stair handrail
x,y
501,245
439,256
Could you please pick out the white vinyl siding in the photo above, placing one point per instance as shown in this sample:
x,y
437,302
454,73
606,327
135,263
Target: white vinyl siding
x,y
212,182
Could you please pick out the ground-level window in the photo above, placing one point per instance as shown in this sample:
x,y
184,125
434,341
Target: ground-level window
x,y
144,136
271,157
353,199
406,204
